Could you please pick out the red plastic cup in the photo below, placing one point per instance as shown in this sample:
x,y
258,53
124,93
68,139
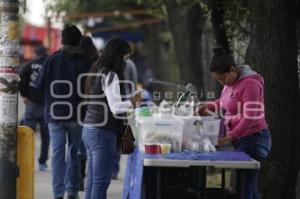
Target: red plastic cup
x,y
152,148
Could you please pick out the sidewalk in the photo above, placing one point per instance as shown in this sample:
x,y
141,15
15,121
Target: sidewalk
x,y
43,189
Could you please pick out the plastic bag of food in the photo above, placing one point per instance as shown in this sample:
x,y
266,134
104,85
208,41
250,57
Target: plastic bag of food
x,y
200,145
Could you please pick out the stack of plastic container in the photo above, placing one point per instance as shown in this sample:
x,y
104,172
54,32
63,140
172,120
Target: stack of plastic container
x,y
154,131
160,131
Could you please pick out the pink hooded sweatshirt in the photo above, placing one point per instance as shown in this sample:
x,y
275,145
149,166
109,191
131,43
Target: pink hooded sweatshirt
x,y
243,104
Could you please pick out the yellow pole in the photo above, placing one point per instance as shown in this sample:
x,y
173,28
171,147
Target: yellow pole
x,y
25,161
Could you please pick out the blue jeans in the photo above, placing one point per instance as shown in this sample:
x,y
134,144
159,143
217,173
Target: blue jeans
x,y
116,167
65,172
257,146
83,158
34,116
101,149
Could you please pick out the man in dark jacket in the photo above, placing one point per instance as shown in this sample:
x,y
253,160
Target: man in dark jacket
x,y
58,79
34,102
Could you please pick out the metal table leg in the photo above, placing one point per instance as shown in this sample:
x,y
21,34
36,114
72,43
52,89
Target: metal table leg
x,y
223,184
203,181
243,185
143,187
197,181
158,183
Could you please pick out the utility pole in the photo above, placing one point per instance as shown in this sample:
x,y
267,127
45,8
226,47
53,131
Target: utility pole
x,y
49,31
9,62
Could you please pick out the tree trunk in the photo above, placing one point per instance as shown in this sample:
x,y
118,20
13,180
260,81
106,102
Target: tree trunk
x,y
185,20
217,21
154,51
272,52
298,49
212,86
8,96
156,59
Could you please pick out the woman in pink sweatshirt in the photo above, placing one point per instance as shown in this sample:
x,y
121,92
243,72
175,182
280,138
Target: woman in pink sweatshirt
x,y
242,106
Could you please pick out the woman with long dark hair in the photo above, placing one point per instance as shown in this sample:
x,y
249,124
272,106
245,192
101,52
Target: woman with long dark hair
x,y
242,100
102,125
86,47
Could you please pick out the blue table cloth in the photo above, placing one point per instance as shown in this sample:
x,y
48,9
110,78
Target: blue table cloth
x,y
134,168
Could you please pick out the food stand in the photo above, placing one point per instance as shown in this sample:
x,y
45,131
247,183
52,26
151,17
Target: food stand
x,y
148,172
179,171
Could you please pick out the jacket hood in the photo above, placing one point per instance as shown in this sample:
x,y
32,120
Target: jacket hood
x,y
247,72
71,52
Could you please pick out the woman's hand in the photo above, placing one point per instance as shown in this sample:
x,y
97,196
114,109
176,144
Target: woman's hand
x,y
202,110
136,99
225,141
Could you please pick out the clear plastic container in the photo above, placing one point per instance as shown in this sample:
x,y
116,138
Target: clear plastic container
x,y
212,129
196,126
156,130
192,130
142,112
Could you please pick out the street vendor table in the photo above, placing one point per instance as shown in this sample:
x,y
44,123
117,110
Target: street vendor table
x,y
138,162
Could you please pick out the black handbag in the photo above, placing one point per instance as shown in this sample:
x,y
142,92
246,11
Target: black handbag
x,y
126,140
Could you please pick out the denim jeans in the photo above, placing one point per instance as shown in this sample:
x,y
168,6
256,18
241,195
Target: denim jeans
x,y
257,146
116,167
65,172
34,116
101,149
83,158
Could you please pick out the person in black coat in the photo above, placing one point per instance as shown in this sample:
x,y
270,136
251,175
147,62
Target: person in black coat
x,y
34,102
60,79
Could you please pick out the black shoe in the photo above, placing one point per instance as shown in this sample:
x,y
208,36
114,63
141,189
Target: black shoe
x,y
115,176
59,198
81,188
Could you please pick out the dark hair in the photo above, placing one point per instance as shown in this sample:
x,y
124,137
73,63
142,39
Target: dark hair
x,y
221,61
70,35
88,49
111,60
40,50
